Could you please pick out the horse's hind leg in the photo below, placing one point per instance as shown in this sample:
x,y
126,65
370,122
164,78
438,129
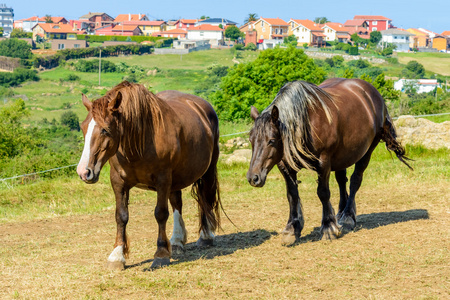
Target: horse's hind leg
x,y
348,217
206,191
341,179
179,234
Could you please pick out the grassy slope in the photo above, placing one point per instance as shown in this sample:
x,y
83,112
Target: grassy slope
x,y
438,63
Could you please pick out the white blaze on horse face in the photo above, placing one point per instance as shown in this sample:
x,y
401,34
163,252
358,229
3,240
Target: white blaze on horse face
x,y
117,255
179,232
84,160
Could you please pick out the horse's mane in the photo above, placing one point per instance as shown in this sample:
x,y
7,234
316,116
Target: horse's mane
x,y
294,101
140,114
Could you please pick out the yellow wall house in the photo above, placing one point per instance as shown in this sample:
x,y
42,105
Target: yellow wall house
x,y
271,29
149,27
440,43
420,39
50,31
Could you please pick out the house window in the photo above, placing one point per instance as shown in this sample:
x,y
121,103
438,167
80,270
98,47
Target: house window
x,y
281,30
60,46
264,29
276,31
292,25
76,46
201,33
375,23
374,29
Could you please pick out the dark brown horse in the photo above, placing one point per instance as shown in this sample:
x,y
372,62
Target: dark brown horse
x,y
322,128
163,143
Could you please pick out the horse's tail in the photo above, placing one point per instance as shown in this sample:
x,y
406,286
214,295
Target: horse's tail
x,y
389,136
207,194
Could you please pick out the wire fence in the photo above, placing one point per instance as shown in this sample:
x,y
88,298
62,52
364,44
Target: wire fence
x,y
225,135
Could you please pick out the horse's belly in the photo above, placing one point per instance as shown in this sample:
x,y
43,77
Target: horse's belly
x,y
345,156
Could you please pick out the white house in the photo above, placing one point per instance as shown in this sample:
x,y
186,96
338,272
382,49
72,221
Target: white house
x,y
398,37
214,34
420,85
336,32
306,31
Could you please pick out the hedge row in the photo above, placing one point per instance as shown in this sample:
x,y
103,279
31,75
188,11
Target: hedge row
x,y
53,61
104,38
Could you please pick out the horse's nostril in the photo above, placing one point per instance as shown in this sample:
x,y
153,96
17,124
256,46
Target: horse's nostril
x,y
90,174
255,179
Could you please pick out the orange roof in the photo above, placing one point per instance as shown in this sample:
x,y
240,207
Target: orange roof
x,y
56,28
205,27
276,21
309,24
447,32
188,21
376,18
129,17
336,26
124,27
358,22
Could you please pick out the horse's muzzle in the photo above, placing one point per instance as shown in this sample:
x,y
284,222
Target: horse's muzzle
x,y
256,180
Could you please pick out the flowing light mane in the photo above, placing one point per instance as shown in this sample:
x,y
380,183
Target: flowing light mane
x,y
139,115
293,102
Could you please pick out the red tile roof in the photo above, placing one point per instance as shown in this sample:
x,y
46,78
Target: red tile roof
x,y
124,27
358,22
205,27
375,18
336,26
188,21
276,21
447,33
129,17
56,28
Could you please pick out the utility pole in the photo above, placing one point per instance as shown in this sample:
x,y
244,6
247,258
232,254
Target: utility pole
x,y
99,67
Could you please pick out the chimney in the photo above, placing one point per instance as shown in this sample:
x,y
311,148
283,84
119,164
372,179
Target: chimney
x,y
129,17
139,17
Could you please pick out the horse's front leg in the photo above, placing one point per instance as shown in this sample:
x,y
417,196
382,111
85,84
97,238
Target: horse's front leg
x,y
296,221
164,249
116,259
330,230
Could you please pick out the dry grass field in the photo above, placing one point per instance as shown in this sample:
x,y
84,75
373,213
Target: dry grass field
x,y
56,236
433,62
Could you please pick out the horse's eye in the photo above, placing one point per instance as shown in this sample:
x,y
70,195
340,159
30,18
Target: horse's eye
x,y
272,142
104,131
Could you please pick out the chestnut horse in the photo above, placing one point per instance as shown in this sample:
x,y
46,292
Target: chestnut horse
x,y
164,143
322,128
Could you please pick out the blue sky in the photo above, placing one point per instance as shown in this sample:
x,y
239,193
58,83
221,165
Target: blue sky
x,y
431,14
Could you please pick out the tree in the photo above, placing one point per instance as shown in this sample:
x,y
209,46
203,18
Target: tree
x,y
13,136
256,83
385,87
375,37
413,70
204,17
48,19
291,40
1,31
233,33
251,18
18,33
321,20
15,48
70,119
355,39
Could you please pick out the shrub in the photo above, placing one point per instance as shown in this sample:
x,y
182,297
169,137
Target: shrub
x,y
70,119
251,47
15,48
17,77
353,50
256,83
92,65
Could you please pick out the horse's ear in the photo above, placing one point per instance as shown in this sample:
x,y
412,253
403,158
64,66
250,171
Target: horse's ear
x,y
254,113
86,102
114,104
275,114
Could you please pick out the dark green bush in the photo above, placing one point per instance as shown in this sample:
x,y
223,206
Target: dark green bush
x,y
70,119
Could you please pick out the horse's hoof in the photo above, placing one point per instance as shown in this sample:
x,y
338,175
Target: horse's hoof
x,y
288,238
347,222
331,233
115,265
178,249
160,262
205,242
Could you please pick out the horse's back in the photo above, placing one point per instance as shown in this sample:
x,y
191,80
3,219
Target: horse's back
x,y
358,114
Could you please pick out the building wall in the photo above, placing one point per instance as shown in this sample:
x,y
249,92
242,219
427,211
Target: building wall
x,y
263,30
214,37
6,19
375,25
440,43
303,35
68,44
329,33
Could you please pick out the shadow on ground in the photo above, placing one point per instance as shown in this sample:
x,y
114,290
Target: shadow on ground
x,y
223,245
372,221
